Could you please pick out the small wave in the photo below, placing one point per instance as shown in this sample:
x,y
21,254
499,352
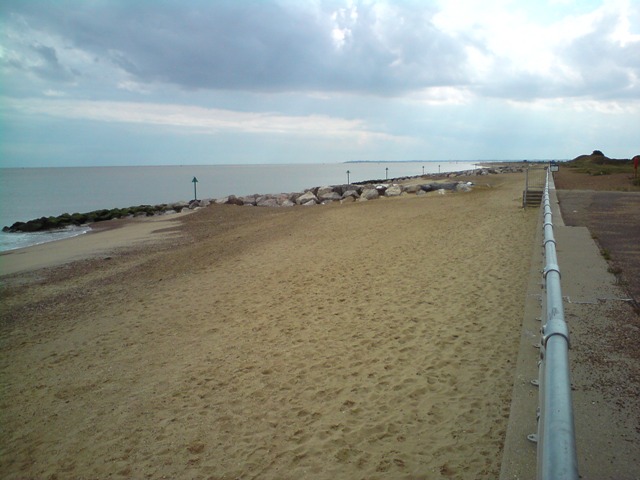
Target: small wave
x,y
14,241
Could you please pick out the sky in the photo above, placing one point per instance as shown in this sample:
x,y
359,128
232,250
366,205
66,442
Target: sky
x,y
175,82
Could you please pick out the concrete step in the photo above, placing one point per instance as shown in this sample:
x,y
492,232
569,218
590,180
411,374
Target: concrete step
x,y
532,198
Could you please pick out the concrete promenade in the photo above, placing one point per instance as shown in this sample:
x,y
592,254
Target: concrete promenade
x,y
606,416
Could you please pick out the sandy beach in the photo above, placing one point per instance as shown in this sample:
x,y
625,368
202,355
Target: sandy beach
x,y
368,340
111,235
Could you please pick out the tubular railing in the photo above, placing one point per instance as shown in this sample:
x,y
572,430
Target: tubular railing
x,y
557,458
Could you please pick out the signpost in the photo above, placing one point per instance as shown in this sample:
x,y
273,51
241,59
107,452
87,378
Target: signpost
x,y
195,191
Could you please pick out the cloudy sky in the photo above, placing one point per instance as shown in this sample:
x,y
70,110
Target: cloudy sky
x,y
121,82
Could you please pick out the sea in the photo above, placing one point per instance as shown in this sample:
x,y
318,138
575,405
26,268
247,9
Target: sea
x,y
30,193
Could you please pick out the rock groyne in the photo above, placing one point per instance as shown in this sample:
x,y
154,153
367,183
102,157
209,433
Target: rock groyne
x,y
358,191
364,191
78,219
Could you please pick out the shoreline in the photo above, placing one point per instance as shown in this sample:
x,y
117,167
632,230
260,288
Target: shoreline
x,y
353,355
102,239
30,257
156,185
163,209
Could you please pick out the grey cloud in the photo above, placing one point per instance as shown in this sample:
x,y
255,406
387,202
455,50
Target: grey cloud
x,y
42,61
602,68
604,65
405,50
29,55
50,68
258,45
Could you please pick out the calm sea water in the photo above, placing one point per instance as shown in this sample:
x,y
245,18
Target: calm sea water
x,y
30,193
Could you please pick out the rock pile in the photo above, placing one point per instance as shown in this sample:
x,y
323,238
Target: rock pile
x,y
76,219
363,191
340,193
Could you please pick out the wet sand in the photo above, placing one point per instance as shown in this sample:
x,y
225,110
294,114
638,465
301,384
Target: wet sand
x,y
365,340
103,238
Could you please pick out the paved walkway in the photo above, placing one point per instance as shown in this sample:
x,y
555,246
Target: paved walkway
x,y
606,406
614,218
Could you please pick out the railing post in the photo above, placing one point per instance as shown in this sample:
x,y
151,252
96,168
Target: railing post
x,y
526,187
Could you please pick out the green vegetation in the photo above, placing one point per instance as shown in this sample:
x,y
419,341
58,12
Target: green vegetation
x,y
598,164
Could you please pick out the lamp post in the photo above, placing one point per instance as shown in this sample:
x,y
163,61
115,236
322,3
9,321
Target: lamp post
x,y
348,182
386,173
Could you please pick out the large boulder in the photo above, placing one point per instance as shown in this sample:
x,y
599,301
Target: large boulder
x,y
393,191
294,196
328,193
381,188
266,201
444,186
233,200
369,194
282,198
350,194
411,188
248,200
306,198
463,187
329,197
340,189
326,190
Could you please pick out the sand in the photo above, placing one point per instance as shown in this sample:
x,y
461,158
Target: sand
x,y
112,236
368,340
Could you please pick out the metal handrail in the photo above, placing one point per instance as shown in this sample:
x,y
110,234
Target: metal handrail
x,y
557,457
